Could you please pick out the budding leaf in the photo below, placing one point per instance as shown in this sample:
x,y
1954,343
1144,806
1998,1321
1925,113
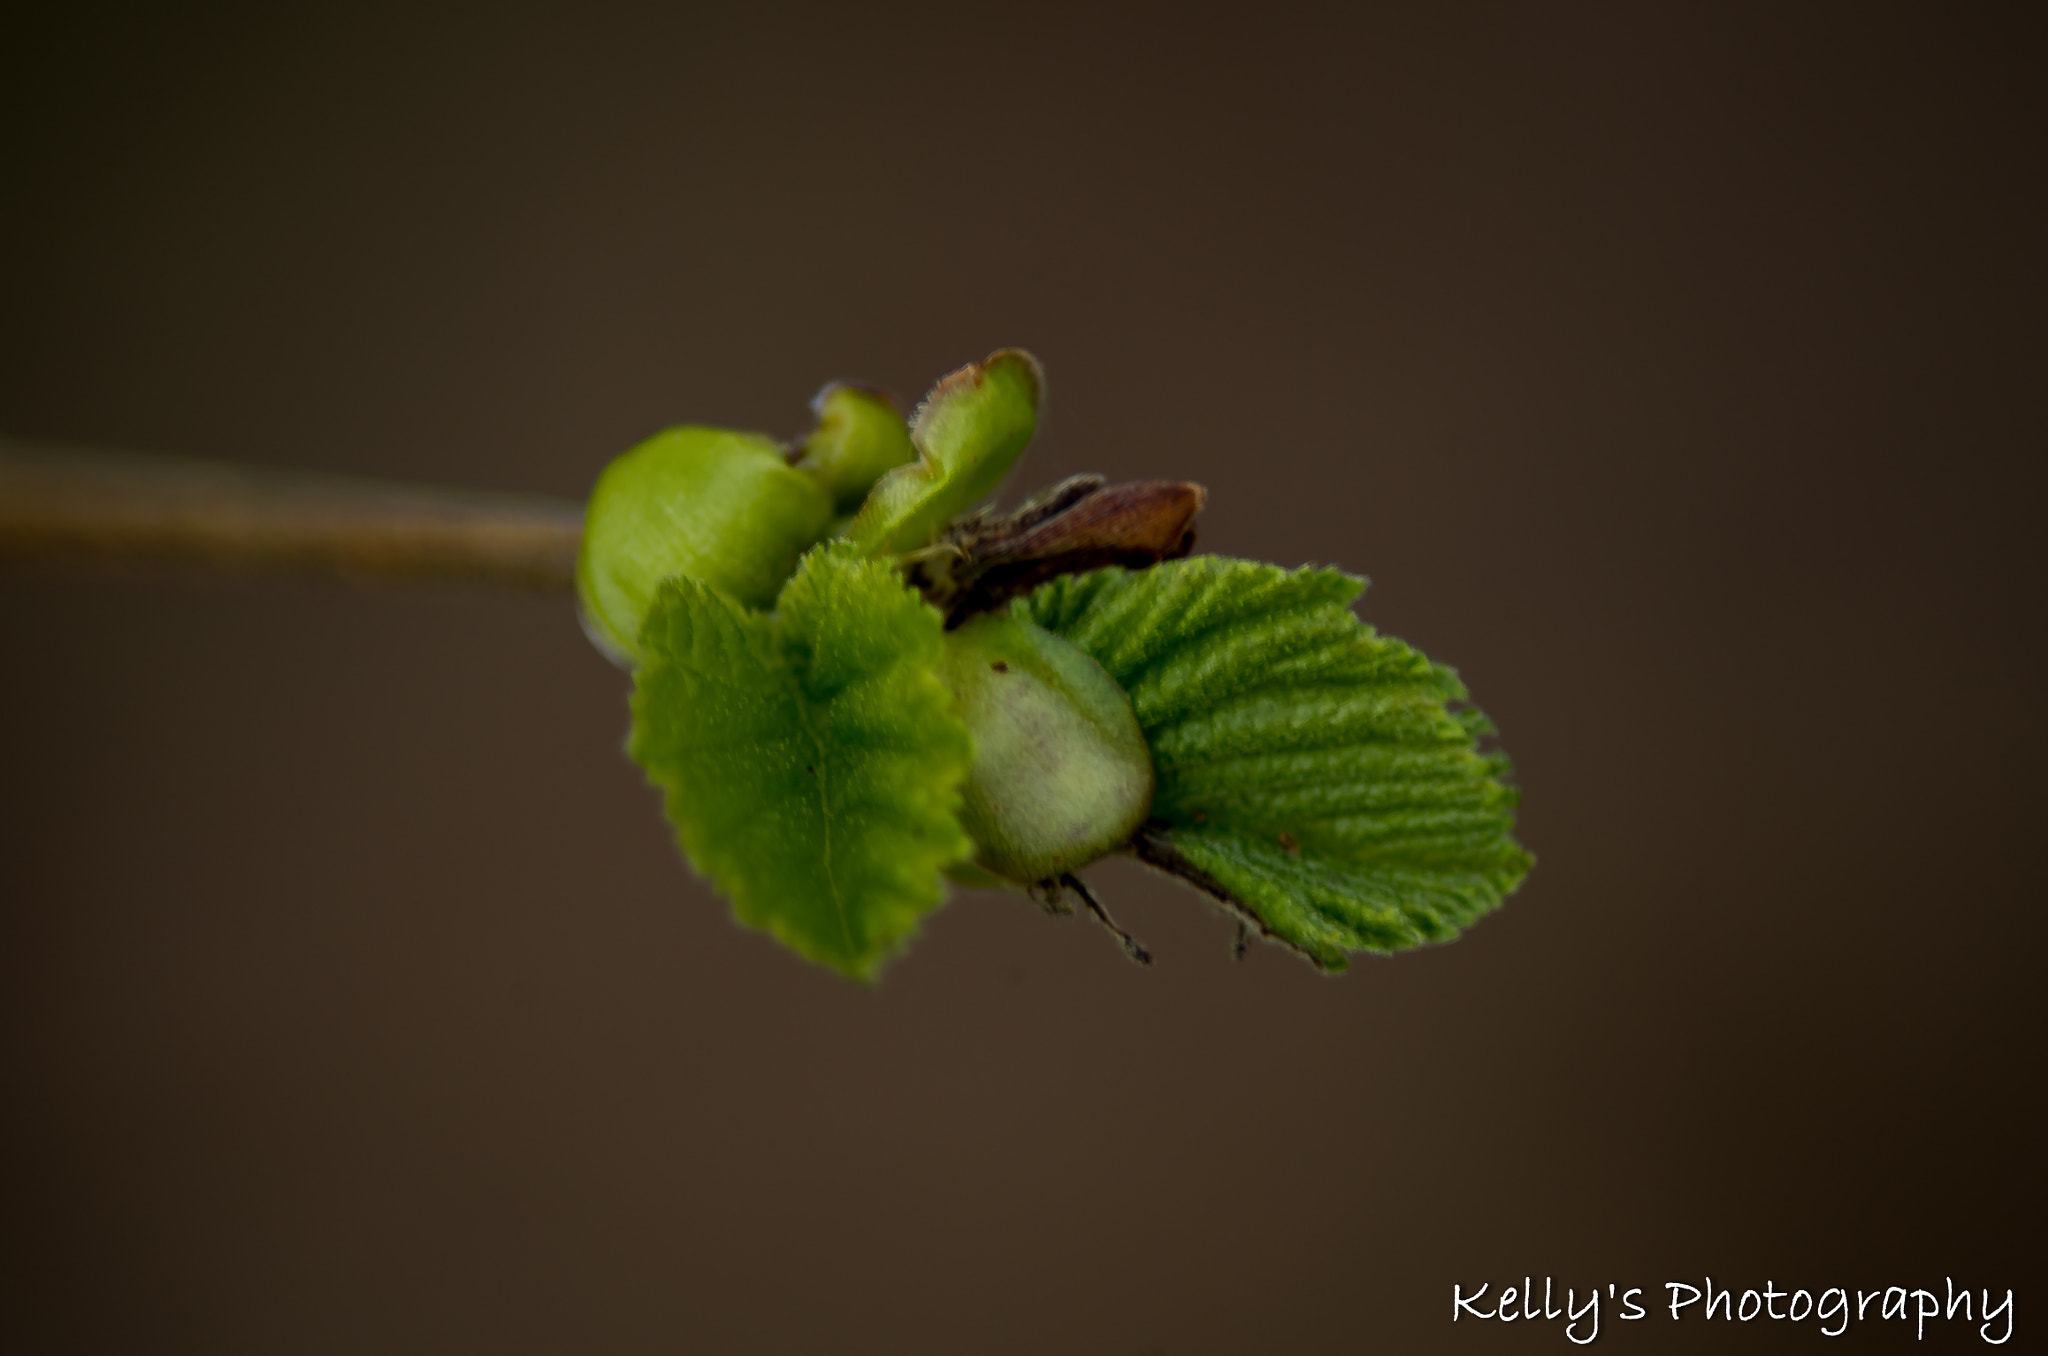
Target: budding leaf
x,y
810,757
859,438
1315,771
968,432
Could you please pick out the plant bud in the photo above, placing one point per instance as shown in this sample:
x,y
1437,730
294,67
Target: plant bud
x,y
717,506
859,437
968,432
1061,772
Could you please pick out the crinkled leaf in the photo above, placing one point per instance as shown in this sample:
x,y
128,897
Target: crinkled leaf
x,y
1323,775
968,432
810,758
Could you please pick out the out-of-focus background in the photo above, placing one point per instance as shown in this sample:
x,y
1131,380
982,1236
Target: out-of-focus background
x,y
1675,372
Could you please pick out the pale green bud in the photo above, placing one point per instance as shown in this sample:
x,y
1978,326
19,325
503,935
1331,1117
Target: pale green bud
x,y
718,506
1061,773
859,437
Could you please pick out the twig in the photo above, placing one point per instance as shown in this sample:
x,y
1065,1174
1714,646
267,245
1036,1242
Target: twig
x,y
76,503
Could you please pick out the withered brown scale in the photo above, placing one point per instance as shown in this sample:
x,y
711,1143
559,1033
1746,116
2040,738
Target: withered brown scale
x,y
1054,499
982,562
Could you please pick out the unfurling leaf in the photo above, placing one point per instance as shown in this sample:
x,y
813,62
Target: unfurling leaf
x,y
810,757
1312,773
968,431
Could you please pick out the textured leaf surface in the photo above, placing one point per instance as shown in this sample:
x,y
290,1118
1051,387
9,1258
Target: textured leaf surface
x,y
1320,773
810,758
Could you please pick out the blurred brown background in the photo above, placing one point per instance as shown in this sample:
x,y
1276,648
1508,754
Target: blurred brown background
x,y
1677,376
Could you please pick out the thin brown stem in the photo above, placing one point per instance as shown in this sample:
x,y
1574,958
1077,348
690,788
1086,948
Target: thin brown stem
x,y
1133,948
1153,845
74,503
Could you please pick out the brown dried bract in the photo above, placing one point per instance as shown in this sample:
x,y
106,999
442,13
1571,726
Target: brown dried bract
x,y
981,562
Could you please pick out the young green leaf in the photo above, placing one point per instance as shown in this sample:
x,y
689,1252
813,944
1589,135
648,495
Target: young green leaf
x,y
810,758
968,432
1312,773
